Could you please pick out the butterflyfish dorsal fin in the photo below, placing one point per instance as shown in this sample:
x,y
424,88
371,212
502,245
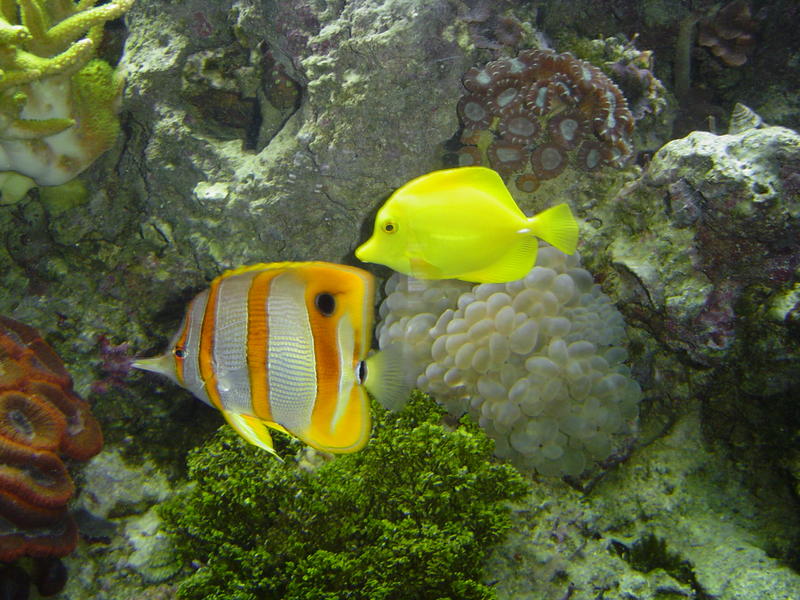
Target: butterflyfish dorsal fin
x,y
482,179
556,226
252,429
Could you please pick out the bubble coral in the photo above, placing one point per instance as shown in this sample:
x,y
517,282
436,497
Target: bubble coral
x,y
544,110
538,361
42,420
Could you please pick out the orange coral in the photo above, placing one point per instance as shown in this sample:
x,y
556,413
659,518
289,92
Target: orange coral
x,y
41,419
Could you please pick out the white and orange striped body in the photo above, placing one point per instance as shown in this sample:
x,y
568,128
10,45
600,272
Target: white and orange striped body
x,y
281,345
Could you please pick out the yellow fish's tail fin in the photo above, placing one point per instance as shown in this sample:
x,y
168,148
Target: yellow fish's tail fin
x,y
251,429
386,377
557,227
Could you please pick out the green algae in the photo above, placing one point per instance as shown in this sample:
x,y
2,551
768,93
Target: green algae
x,y
413,515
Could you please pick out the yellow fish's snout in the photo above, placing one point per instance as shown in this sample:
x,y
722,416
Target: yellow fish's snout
x,y
367,252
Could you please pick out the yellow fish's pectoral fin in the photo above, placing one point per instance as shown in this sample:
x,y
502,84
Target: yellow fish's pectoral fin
x,y
253,430
343,430
557,227
514,264
422,269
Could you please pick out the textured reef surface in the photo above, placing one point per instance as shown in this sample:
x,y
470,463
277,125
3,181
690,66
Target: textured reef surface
x,y
647,389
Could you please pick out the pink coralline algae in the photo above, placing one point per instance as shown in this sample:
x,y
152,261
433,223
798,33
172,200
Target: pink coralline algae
x,y
531,116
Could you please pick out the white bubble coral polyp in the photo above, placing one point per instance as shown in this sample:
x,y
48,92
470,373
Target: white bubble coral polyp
x,y
538,362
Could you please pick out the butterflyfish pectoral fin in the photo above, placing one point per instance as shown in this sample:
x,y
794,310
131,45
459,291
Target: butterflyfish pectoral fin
x,y
252,429
556,226
387,375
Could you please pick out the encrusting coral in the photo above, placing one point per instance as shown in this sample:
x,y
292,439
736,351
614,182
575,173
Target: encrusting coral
x,y
41,420
530,116
57,101
412,515
538,361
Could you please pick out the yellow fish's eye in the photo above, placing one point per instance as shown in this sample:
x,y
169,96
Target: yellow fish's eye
x,y
179,352
325,303
389,227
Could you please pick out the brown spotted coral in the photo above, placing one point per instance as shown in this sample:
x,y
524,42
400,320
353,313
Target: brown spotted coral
x,y
42,422
532,115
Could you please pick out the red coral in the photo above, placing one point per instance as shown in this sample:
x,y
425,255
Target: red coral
x,y
41,418
546,110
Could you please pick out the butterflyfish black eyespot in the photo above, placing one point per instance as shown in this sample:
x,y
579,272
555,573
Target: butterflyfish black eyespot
x,y
325,304
389,227
361,372
179,352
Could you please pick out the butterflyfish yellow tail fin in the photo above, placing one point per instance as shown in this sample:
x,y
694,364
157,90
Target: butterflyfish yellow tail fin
x,y
385,378
556,226
251,429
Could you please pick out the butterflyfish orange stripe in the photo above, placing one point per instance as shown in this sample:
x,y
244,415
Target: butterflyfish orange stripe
x,y
206,347
257,340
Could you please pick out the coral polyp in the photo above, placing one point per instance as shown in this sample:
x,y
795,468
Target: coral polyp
x,y
41,420
547,109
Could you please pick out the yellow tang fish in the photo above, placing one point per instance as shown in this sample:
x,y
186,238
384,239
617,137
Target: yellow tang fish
x,y
463,224
284,345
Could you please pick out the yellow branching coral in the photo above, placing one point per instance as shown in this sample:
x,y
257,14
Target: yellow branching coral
x,y
57,101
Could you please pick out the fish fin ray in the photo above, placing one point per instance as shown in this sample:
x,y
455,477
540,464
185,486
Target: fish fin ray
x,y
386,377
513,265
484,179
252,429
556,226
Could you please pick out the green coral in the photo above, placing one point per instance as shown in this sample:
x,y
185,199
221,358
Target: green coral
x,y
40,38
51,83
410,516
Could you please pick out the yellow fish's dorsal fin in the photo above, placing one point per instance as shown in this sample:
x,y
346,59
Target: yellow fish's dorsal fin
x,y
253,430
557,227
513,265
386,377
481,179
